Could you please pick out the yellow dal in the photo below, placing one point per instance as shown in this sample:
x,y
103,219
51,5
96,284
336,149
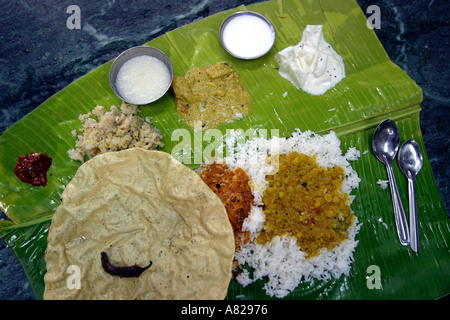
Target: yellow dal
x,y
213,94
305,201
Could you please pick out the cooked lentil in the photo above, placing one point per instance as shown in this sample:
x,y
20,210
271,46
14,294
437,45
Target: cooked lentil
x,y
305,200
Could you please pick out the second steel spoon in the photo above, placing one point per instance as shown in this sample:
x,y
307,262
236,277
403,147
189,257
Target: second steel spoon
x,y
410,161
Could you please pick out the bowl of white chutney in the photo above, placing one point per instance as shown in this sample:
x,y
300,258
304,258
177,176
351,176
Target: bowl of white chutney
x,y
247,35
141,75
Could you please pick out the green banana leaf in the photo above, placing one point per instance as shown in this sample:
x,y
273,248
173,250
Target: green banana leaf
x,y
374,89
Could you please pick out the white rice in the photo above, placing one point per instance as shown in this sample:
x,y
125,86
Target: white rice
x,y
383,183
280,261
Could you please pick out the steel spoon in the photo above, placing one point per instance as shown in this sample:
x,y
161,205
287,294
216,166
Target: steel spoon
x,y
410,161
385,144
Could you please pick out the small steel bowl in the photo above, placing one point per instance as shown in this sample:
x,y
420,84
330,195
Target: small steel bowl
x,y
243,13
132,53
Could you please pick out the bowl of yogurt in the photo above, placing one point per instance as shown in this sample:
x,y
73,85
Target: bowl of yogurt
x,y
247,35
141,75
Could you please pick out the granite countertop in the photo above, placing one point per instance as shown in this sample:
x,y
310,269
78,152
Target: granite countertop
x,y
39,56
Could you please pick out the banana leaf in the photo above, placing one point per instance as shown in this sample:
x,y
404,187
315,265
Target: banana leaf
x,y
374,89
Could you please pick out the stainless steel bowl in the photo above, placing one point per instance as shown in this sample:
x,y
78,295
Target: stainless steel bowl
x,y
243,13
132,53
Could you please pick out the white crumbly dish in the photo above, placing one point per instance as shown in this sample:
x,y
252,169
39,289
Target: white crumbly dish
x,y
104,131
266,260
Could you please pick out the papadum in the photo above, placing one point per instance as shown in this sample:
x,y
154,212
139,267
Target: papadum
x,y
141,208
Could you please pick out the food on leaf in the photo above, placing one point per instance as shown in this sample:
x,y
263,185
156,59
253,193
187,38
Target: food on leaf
x,y
212,95
138,206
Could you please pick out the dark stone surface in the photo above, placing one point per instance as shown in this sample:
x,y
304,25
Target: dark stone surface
x,y
39,56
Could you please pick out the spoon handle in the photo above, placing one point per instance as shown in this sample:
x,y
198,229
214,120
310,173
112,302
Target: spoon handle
x,y
414,235
399,213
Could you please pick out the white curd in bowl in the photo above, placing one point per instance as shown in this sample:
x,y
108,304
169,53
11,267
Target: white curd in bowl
x,y
142,79
247,36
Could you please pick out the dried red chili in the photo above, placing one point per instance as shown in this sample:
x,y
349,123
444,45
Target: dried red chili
x,y
123,272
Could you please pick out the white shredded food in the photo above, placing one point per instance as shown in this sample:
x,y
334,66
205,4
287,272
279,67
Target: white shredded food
x,y
105,131
280,261
383,183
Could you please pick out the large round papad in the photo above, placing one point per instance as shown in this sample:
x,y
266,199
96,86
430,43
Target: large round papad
x,y
139,206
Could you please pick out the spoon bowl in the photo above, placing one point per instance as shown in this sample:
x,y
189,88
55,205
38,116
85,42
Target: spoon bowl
x,y
386,141
385,144
410,158
410,161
